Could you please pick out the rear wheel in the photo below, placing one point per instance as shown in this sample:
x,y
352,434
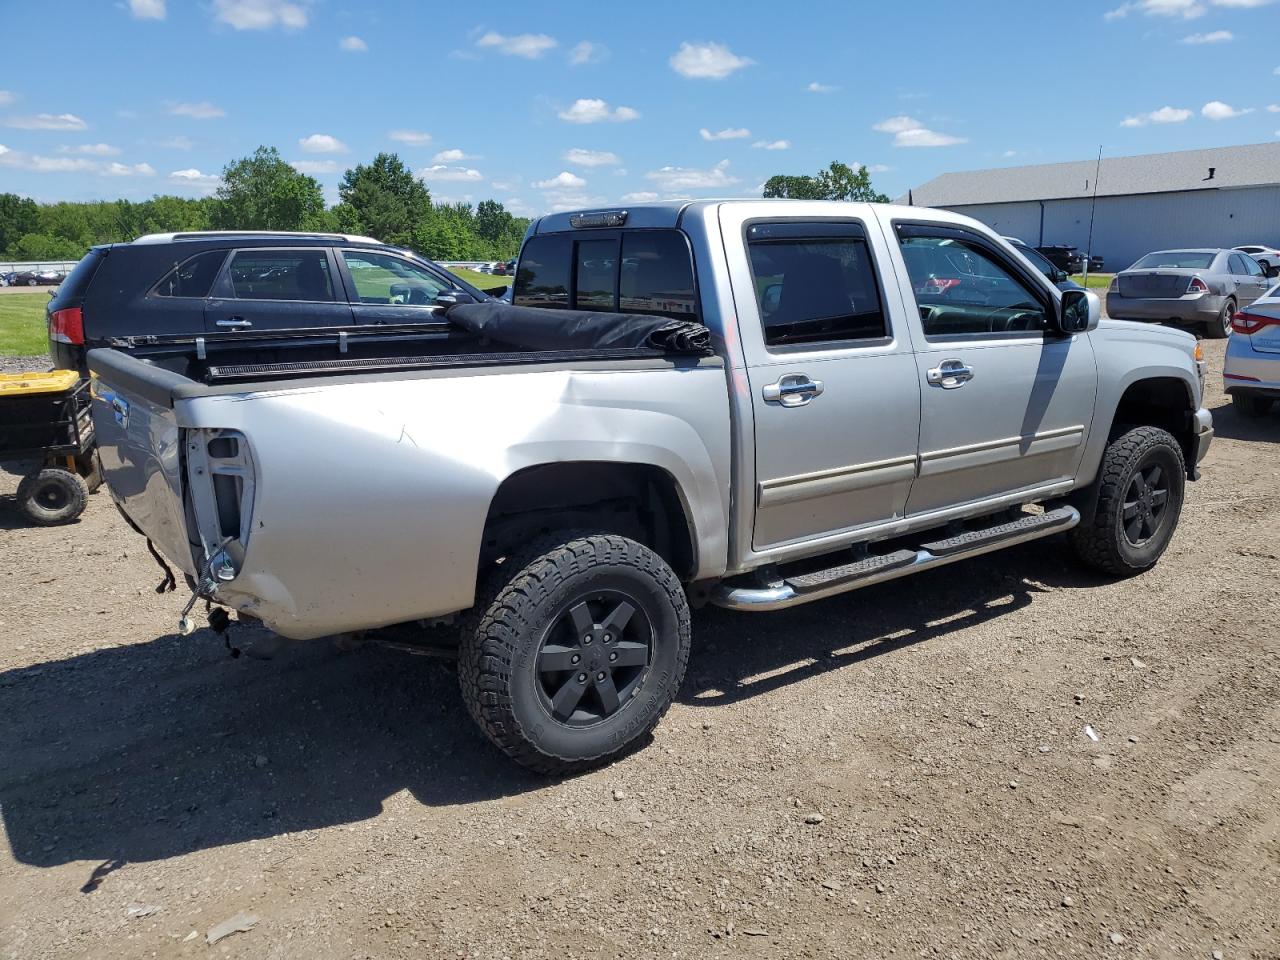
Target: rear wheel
x,y
1220,329
52,496
1251,405
574,651
1140,488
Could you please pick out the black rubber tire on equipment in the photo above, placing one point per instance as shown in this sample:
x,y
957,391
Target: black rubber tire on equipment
x,y
1220,329
517,608
1250,405
1103,544
51,496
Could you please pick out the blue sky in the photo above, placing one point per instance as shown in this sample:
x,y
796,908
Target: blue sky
x,y
548,106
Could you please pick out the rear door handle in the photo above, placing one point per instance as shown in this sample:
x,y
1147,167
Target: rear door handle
x,y
793,390
234,323
950,374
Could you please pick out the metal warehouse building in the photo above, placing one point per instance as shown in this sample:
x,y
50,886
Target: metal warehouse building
x,y
1221,197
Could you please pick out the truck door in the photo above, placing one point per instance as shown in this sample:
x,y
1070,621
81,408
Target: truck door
x,y
1006,402
834,394
277,288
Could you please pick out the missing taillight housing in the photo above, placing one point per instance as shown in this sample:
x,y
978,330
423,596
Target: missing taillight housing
x,y
1247,323
1197,286
67,326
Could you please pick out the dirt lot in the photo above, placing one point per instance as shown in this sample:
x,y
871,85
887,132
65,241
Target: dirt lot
x,y
936,725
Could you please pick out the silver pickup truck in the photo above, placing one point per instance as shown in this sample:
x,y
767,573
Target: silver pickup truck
x,y
888,389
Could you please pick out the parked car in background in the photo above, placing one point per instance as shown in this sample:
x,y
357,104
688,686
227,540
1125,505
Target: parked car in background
x,y
847,393
1268,258
1187,287
1056,275
1251,372
223,285
35,278
1062,256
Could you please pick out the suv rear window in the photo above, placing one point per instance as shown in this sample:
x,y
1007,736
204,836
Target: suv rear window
x,y
638,271
193,277
77,282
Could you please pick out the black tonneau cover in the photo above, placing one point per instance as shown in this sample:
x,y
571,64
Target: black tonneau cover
x,y
534,328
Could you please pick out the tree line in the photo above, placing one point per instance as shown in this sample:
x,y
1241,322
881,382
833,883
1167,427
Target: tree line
x,y
381,199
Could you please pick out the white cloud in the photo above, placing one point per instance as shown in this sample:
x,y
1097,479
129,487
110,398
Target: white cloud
x,y
415,138
147,9
442,173
706,61
673,179
1216,36
584,51
1163,115
1241,3
8,96
312,167
531,46
877,168
176,143
125,170
640,196
260,14
451,156
909,132
506,186
772,145
92,149
561,181
1217,110
1273,108
729,133
594,111
1185,9
38,164
191,177
353,45
322,143
817,87
47,121
590,158
204,110
1009,153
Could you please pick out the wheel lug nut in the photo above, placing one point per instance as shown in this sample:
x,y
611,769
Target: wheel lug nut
x,y
607,638
586,639
582,678
575,658
600,675
613,656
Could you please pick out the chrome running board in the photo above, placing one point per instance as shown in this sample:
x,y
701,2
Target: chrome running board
x,y
803,588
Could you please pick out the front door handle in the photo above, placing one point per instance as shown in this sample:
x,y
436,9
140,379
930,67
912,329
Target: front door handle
x,y
234,323
950,374
793,390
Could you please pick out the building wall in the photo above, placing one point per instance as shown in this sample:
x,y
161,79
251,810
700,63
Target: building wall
x,y
1127,227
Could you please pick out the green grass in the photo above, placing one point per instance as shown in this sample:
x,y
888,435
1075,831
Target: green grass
x,y
22,329
1097,281
484,281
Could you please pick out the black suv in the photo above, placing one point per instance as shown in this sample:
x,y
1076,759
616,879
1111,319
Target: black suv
x,y
220,285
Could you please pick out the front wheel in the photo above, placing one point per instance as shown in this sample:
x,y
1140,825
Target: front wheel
x,y
1220,329
1140,489
574,651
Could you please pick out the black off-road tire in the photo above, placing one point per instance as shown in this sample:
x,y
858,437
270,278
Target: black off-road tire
x,y
1220,329
1250,405
524,604
1103,543
52,496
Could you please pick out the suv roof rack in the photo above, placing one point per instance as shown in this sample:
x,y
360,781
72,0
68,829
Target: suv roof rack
x,y
284,234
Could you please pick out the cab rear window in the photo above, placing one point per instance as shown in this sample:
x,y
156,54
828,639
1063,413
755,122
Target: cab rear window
x,y
637,271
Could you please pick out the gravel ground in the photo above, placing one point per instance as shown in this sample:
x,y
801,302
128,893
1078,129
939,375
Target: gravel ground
x,y
904,771
25,364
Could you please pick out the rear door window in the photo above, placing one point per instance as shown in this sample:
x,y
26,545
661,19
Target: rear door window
x,y
193,277
641,271
282,275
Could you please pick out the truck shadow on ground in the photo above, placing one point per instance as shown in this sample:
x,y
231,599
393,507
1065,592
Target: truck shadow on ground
x,y
152,750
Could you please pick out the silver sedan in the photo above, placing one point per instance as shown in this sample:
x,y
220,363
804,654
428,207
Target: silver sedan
x,y
1203,287
1251,372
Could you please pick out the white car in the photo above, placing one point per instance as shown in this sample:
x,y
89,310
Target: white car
x,y
1251,372
1268,257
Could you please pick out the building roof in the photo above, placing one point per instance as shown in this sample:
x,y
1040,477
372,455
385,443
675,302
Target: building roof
x,y
1255,164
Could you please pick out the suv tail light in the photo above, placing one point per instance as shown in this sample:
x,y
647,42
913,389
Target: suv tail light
x,y
1197,286
67,326
1252,322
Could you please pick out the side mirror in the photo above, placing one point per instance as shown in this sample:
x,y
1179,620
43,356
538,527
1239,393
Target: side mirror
x,y
448,298
1079,312
1273,272
1059,275
771,299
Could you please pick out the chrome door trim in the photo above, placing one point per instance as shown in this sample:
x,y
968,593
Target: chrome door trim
x,y
792,390
803,486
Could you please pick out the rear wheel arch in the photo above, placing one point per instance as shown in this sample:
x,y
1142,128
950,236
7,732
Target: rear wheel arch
x,y
636,500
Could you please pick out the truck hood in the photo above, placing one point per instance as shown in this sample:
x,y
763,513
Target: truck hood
x,y
1127,331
